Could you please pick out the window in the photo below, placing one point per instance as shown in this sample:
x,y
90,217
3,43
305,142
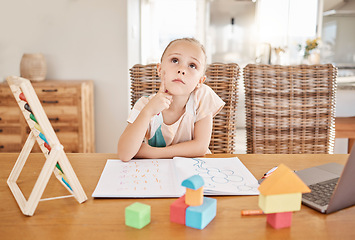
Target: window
x,y
166,20
243,37
287,23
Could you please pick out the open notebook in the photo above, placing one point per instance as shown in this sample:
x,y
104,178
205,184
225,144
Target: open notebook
x,y
154,178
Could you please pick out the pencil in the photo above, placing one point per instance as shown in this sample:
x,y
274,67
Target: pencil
x,y
252,212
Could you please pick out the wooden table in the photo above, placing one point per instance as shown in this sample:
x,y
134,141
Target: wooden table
x,y
104,218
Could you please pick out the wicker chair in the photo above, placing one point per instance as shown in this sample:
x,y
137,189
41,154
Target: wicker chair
x,y
222,78
290,109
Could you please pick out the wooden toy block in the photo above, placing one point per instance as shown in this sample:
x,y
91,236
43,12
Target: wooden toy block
x,y
194,190
283,180
194,197
137,215
194,182
280,202
178,210
279,220
199,217
281,191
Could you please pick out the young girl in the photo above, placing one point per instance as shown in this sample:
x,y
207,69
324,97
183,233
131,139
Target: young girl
x,y
177,120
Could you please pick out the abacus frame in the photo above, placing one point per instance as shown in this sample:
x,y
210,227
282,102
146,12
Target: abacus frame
x,y
55,155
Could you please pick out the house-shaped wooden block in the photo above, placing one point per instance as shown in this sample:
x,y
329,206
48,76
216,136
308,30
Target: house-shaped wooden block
x,y
281,191
194,190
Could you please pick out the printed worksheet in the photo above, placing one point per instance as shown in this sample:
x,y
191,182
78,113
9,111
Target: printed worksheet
x,y
138,178
222,176
154,178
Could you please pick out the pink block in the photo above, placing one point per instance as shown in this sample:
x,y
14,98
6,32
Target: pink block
x,y
178,210
279,220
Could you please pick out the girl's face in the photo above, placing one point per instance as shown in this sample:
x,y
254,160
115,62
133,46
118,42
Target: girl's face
x,y
182,67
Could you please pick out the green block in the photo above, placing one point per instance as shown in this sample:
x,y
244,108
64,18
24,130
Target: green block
x,y
137,215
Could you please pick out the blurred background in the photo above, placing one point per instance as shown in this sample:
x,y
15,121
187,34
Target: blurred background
x,y
101,40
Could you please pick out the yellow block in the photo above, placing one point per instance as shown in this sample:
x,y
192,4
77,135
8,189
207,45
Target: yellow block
x,y
194,197
280,202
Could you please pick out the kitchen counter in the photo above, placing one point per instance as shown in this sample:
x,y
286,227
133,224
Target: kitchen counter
x,y
345,96
346,83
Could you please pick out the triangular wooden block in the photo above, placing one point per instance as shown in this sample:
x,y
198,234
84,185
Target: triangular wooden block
x,y
283,180
43,133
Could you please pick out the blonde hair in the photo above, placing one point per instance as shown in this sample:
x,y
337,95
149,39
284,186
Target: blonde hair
x,y
191,40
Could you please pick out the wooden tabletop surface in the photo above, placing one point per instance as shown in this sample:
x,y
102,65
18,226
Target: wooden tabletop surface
x,y
104,218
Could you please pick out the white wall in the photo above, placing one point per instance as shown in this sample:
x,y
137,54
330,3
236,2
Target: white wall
x,y
81,39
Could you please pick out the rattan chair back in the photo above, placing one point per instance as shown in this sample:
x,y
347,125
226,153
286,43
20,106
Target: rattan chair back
x,y
290,109
222,78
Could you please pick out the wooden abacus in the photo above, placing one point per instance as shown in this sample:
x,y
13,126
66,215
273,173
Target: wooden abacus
x,y
56,160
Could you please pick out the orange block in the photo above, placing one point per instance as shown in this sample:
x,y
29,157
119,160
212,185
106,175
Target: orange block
x,y
282,181
194,197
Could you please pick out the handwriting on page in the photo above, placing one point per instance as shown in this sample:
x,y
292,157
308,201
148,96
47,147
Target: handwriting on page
x,y
163,177
140,176
214,175
221,175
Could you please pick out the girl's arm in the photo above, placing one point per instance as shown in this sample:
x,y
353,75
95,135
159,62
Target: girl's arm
x,y
193,148
133,136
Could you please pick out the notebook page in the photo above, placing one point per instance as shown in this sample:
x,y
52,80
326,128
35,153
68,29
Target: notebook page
x,y
222,176
138,178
